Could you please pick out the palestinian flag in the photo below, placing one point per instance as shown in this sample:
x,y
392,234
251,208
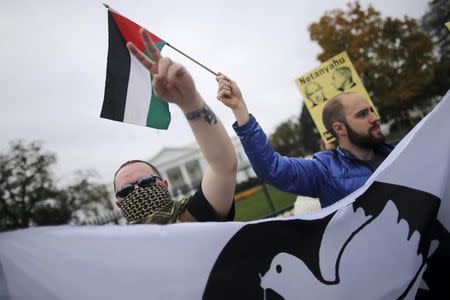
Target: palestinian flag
x,y
129,96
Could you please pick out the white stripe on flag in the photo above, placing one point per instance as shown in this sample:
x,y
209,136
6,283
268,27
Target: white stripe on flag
x,y
139,94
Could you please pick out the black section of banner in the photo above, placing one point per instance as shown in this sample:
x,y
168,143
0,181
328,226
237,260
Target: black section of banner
x,y
410,203
415,206
437,274
249,253
247,256
117,74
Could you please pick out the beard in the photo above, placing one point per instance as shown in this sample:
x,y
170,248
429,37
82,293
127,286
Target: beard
x,y
366,141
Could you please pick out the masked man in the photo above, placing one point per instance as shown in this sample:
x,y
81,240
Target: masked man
x,y
141,193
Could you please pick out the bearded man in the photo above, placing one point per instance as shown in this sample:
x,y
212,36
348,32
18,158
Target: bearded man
x,y
330,175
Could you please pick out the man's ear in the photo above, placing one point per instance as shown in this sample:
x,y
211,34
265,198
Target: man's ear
x,y
339,128
118,203
166,183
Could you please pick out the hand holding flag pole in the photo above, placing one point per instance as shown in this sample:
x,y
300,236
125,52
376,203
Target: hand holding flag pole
x,y
179,51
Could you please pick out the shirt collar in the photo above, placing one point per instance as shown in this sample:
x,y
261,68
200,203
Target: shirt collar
x,y
383,149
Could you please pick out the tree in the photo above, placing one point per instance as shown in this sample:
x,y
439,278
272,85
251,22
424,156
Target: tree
x,y
309,134
298,137
24,181
393,57
286,139
29,196
85,199
433,23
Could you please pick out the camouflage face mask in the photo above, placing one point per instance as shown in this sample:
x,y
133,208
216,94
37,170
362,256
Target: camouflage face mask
x,y
151,205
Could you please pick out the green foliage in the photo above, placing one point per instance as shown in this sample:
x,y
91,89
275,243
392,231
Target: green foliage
x,y
433,23
309,134
286,139
85,199
29,196
296,138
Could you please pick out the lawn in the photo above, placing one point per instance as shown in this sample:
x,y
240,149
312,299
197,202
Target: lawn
x,y
258,206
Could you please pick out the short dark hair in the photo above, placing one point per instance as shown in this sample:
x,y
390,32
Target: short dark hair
x,y
333,111
134,161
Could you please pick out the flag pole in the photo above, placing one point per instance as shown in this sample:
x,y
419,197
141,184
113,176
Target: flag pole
x,y
198,63
181,52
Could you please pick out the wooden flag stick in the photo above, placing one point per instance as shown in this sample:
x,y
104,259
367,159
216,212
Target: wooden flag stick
x,y
198,63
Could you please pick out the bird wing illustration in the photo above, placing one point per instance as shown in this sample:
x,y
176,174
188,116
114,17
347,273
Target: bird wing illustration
x,y
379,259
338,231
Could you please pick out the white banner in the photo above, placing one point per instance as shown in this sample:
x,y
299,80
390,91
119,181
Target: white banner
x,y
381,242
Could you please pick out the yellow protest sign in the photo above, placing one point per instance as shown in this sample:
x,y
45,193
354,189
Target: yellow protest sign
x,y
322,83
448,25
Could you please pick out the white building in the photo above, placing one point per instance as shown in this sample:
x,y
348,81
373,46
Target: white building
x,y
183,167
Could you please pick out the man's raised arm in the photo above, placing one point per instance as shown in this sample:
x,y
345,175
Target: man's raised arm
x,y
173,83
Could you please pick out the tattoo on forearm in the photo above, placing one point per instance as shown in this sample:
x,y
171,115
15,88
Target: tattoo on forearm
x,y
205,113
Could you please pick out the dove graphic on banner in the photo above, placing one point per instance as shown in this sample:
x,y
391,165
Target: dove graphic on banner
x,y
376,263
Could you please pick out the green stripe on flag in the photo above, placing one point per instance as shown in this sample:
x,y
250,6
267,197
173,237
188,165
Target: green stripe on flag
x,y
158,115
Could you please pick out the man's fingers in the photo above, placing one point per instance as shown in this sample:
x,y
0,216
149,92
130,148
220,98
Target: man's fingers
x,y
158,84
223,77
219,77
225,85
141,57
174,71
163,67
150,46
223,94
225,88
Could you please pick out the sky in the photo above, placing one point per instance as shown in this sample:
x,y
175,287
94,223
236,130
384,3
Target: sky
x,y
53,68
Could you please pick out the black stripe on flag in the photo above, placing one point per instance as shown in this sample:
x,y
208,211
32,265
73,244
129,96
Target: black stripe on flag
x,y
117,74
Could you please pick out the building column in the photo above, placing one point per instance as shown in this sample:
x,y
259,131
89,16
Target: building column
x,y
185,174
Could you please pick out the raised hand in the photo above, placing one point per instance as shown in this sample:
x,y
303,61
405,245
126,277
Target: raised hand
x,y
229,94
171,81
